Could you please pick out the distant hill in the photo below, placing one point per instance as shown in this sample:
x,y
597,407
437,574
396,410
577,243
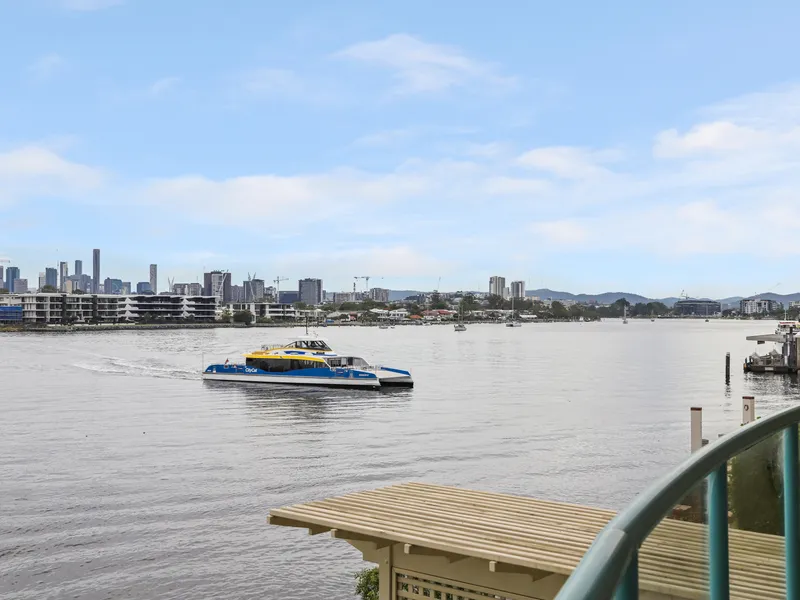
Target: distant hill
x,y
611,297
397,295
604,298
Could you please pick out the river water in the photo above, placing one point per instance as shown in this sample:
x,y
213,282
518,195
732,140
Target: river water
x,y
123,475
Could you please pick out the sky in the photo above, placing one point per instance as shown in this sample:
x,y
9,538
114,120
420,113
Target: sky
x,y
648,147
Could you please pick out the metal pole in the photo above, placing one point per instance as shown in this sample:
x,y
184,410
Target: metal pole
x,y
696,428
791,511
719,565
628,588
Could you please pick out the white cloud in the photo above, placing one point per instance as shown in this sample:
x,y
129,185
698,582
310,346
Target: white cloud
x,y
35,171
273,199
163,86
388,137
47,66
90,5
420,67
563,232
515,185
568,162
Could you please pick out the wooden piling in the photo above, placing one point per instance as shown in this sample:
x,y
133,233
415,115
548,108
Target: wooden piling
x,y
727,368
696,428
748,409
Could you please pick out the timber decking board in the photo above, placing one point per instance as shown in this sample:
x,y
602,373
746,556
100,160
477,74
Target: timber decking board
x,y
538,534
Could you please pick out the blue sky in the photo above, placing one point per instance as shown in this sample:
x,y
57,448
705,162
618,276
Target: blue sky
x,y
645,147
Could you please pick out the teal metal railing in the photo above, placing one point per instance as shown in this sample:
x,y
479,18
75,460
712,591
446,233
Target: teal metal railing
x,y
610,566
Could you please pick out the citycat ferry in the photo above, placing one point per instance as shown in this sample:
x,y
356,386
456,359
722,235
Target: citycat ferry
x,y
308,361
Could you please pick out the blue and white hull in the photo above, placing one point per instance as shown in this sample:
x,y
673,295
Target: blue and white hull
x,y
342,378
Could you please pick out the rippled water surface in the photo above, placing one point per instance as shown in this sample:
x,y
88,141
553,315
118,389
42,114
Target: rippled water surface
x,y
123,475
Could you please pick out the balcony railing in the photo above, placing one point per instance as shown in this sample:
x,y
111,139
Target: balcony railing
x,y
610,566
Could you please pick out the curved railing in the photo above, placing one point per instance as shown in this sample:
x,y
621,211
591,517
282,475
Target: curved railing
x,y
610,566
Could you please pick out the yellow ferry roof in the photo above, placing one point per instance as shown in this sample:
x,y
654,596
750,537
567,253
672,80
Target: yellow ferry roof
x,y
268,354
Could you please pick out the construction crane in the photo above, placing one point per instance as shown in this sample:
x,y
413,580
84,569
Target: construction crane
x,y
277,282
366,279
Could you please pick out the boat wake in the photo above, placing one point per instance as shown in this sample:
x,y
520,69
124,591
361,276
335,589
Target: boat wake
x,y
118,366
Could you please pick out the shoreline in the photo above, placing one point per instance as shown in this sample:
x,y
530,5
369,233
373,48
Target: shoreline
x,y
174,326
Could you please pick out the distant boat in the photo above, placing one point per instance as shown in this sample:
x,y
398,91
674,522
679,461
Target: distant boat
x,y
624,314
514,322
382,326
460,325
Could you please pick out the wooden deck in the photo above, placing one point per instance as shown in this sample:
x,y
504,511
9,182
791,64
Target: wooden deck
x,y
518,533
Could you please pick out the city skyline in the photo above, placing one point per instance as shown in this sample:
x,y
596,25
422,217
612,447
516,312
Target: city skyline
x,y
635,153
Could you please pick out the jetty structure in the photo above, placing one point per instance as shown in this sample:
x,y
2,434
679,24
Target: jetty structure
x,y
431,541
787,360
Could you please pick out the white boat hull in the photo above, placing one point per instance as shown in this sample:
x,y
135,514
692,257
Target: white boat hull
x,y
295,380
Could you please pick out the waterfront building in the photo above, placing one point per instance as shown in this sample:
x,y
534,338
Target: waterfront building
x,y
518,289
310,291
154,278
167,307
96,270
51,277
78,268
497,285
379,295
217,283
266,310
692,307
237,293
10,314
758,306
143,287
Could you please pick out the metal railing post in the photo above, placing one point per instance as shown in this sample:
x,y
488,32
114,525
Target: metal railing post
x,y
719,565
628,588
791,511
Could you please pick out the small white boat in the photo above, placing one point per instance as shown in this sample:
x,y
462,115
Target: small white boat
x,y
460,327
382,326
514,324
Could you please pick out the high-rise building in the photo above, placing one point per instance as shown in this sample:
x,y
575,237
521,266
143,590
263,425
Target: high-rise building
x,y
195,289
288,297
126,288
51,277
237,293
1,272
143,287
180,289
12,274
310,291
518,289
63,273
112,286
42,280
497,285
20,286
78,268
154,278
96,270
253,290
217,283
379,295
